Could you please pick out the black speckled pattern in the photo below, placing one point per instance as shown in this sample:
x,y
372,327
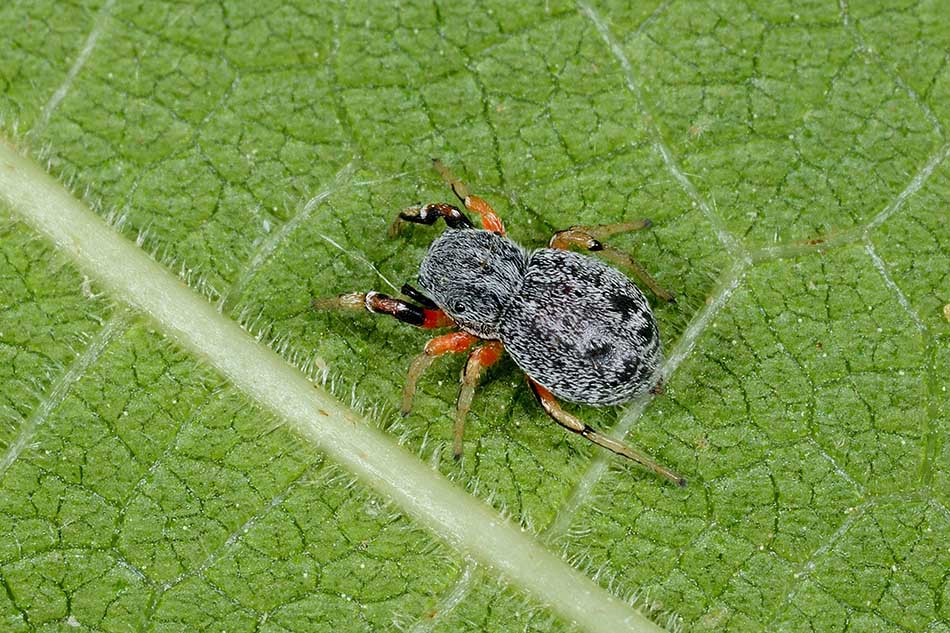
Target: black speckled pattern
x,y
582,329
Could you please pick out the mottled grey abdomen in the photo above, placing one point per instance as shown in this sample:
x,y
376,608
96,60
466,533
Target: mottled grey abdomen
x,y
581,329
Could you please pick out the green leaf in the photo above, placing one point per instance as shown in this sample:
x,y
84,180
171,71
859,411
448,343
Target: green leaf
x,y
162,470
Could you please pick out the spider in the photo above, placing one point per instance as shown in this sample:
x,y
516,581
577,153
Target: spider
x,y
579,329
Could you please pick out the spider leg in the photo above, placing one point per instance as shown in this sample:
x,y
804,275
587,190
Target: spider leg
x,y
444,344
378,303
588,238
428,214
571,423
491,221
481,358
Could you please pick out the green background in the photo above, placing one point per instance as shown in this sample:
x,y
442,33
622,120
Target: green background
x,y
792,157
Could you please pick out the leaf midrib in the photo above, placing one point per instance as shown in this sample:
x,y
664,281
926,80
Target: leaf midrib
x,y
179,312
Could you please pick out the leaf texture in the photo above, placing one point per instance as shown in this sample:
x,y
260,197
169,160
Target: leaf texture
x,y
792,158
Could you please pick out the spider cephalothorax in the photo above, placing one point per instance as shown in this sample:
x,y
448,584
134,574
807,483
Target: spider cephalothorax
x,y
472,276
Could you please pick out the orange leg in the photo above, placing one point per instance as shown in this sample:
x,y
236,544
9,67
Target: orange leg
x,y
491,221
588,238
481,358
571,423
452,342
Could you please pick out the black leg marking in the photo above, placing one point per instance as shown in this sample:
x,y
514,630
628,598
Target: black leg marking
x,y
424,317
429,213
418,297
375,302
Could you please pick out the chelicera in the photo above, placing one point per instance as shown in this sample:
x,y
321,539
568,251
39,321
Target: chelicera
x,y
579,329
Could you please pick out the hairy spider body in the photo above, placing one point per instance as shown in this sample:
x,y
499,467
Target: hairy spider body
x,y
575,326
579,329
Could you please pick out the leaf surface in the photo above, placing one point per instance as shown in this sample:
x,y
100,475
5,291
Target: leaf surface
x,y
793,160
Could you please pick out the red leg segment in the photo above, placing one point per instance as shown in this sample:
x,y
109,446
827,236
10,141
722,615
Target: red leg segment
x,y
491,221
445,344
480,359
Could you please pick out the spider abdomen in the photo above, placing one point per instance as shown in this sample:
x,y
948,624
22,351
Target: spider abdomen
x,y
581,329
